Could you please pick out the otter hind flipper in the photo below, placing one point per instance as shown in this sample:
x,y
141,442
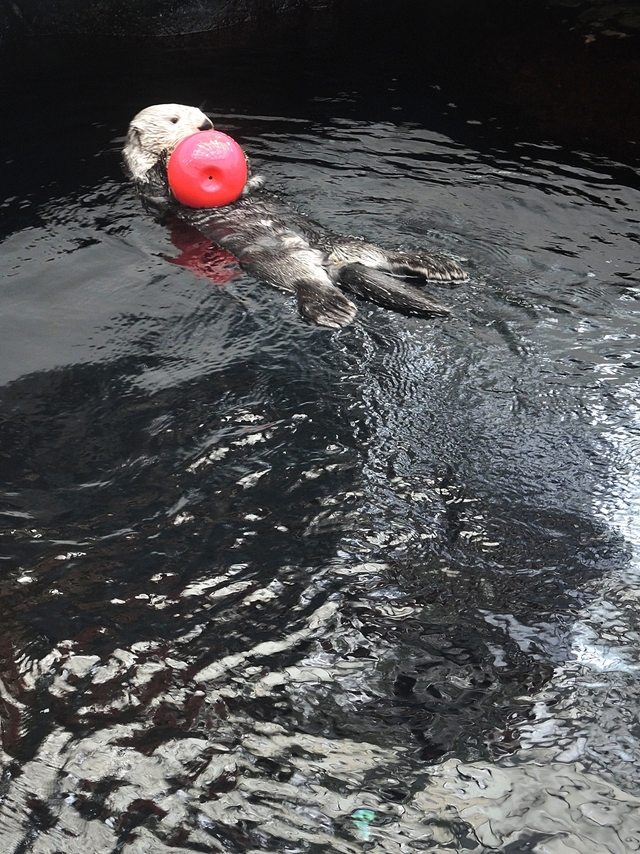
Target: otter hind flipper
x,y
389,291
324,304
433,268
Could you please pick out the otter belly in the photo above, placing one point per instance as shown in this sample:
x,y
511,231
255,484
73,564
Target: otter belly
x,y
255,231
273,242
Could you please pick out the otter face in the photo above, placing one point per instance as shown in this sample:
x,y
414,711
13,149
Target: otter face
x,y
156,131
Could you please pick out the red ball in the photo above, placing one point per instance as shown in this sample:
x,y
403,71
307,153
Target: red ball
x,y
207,169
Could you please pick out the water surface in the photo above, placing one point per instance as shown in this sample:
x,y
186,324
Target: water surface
x,y
270,587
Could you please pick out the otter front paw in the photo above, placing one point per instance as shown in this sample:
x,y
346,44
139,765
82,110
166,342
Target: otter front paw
x,y
324,304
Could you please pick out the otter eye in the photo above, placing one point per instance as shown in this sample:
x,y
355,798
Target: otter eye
x,y
174,120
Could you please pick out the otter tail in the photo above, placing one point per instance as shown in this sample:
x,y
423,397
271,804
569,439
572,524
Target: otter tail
x,y
389,291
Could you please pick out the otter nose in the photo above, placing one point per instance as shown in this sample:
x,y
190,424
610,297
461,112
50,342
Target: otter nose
x,y
207,124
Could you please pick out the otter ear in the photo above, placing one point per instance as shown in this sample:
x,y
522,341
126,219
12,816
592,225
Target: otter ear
x,y
134,134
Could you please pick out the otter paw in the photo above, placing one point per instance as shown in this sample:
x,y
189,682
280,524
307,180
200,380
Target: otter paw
x,y
324,305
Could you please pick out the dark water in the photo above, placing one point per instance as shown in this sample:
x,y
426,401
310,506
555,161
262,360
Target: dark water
x,y
268,587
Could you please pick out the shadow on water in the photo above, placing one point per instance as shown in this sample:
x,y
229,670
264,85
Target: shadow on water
x,y
270,587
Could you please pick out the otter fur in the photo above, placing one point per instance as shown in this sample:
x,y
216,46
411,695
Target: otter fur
x,y
276,243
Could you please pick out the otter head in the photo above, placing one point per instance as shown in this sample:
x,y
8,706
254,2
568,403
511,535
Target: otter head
x,y
155,132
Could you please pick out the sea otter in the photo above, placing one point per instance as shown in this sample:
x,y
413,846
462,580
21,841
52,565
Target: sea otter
x,y
275,242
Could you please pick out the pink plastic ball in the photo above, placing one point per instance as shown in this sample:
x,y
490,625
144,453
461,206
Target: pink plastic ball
x,y
207,169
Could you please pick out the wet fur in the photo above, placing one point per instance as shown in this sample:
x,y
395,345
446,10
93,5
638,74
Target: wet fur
x,y
278,244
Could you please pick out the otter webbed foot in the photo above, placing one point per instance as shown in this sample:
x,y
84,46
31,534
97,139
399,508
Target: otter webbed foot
x,y
433,268
324,304
389,291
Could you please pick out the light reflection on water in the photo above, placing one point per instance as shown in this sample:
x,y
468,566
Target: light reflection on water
x,y
268,587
